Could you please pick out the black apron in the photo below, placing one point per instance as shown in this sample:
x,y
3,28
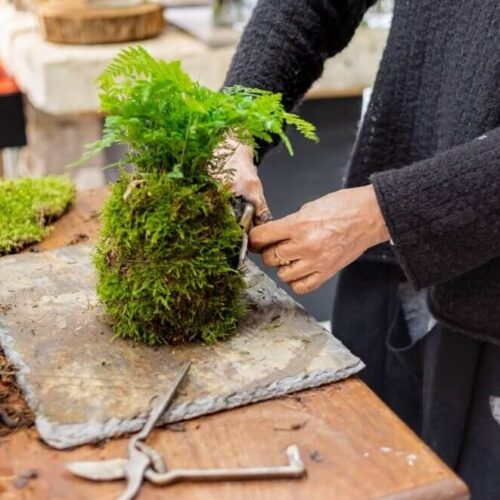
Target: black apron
x,y
443,385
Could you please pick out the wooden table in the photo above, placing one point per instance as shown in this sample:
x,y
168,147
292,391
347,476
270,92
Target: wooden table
x,y
354,447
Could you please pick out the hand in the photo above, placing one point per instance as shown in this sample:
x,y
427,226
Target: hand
x,y
313,244
245,180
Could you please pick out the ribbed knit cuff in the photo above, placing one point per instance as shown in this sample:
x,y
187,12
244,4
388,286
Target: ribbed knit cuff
x,y
443,213
391,222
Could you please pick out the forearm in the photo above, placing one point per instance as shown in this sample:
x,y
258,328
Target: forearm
x,y
443,213
286,43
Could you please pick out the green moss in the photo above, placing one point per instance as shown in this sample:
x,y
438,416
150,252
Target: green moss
x,y
27,206
164,261
167,258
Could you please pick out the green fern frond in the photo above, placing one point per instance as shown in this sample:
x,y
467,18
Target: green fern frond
x,y
169,121
308,130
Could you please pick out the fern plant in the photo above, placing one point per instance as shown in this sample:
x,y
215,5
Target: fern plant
x,y
165,259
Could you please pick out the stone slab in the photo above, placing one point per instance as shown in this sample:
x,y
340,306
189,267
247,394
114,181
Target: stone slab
x,y
85,386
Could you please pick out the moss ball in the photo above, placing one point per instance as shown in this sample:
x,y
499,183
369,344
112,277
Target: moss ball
x,y
166,260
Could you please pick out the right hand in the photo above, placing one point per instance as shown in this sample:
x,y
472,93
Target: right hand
x,y
245,182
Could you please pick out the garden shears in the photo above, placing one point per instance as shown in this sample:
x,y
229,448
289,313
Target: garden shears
x,y
144,462
141,457
244,211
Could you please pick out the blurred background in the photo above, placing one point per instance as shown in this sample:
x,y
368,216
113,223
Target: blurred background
x,y
51,53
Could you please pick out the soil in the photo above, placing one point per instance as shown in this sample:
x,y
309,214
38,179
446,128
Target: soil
x,y
14,411
79,238
5,308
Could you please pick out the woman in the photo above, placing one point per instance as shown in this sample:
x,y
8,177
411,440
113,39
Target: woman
x,y
416,231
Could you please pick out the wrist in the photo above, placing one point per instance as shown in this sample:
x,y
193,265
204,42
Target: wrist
x,y
378,228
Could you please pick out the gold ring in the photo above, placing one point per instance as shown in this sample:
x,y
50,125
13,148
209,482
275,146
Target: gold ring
x,y
264,217
280,261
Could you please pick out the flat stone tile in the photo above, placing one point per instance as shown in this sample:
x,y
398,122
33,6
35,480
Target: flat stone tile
x,y
85,386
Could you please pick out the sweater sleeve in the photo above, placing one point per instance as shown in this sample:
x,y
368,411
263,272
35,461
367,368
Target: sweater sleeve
x,y
286,42
443,213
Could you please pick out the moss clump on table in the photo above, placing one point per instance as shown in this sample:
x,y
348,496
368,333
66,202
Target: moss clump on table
x,y
28,206
166,259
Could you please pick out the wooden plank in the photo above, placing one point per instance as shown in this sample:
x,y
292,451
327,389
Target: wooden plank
x,y
81,223
353,445
360,450
81,24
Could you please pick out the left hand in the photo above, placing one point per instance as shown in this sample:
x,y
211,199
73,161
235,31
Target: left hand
x,y
324,236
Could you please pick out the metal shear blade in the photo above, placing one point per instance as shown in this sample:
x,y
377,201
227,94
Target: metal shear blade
x,y
99,470
145,462
246,224
115,468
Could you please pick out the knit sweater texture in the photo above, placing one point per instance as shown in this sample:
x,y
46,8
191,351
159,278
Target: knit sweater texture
x,y
429,142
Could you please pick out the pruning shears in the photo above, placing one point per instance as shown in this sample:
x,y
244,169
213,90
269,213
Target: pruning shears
x,y
141,457
144,462
244,211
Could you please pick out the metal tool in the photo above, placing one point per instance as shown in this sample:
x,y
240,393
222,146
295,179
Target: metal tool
x,y
247,211
109,470
141,456
139,461
294,469
145,462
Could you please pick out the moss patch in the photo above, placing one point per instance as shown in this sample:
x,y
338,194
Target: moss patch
x,y
27,206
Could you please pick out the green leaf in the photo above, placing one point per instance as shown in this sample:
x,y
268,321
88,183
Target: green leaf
x,y
170,122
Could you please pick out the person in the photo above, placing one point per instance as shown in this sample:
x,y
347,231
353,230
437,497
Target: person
x,y
415,233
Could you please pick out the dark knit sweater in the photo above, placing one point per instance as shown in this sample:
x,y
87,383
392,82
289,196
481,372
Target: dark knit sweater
x,y
430,141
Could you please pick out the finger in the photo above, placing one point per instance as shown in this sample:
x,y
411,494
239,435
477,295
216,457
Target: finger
x,y
295,271
262,212
248,185
272,232
307,284
263,217
287,252
252,190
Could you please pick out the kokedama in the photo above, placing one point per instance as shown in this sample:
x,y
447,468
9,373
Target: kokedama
x,y
166,257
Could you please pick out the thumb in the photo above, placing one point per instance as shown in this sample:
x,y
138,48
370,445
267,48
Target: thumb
x,y
262,212
258,200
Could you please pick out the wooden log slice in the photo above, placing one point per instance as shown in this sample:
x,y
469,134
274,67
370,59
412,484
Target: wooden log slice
x,y
85,25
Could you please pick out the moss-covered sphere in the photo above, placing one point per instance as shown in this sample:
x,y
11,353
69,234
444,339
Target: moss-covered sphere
x,y
165,260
